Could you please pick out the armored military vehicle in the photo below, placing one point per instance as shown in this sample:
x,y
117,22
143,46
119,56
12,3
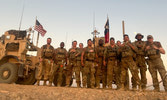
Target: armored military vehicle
x,y
18,58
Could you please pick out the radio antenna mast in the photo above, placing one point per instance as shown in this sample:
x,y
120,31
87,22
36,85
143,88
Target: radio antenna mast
x,y
22,15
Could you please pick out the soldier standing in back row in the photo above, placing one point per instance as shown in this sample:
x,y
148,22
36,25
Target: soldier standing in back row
x,y
72,64
101,69
155,63
110,55
127,49
60,61
117,70
140,61
79,66
88,59
46,63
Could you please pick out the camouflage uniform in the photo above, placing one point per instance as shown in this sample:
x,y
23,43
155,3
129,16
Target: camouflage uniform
x,y
141,63
60,60
79,67
89,68
117,73
101,69
127,61
110,54
72,66
155,64
46,67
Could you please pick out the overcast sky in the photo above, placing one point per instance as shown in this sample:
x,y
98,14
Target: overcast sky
x,y
67,20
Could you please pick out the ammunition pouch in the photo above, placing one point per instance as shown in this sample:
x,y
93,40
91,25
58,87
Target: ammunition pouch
x,y
48,53
91,56
112,54
153,54
126,54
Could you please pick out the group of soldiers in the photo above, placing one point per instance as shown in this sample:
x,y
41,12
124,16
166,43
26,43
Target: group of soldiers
x,y
104,64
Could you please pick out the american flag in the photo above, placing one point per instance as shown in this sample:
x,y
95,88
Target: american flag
x,y
39,28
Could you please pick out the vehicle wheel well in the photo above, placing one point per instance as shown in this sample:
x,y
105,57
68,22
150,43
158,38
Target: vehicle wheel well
x,y
9,58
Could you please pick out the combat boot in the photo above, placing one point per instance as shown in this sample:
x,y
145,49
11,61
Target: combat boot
x,y
109,87
92,86
156,89
84,86
44,83
97,86
78,85
144,88
67,85
118,87
58,85
38,81
165,89
139,88
50,84
104,86
122,87
134,88
126,87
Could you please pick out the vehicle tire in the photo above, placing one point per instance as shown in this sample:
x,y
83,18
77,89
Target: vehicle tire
x,y
8,73
29,80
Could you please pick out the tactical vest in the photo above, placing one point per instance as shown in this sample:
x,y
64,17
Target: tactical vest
x,y
61,54
72,54
126,51
111,52
89,54
153,53
79,56
100,51
48,51
140,46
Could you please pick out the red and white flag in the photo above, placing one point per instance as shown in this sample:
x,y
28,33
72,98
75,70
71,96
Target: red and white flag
x,y
106,31
39,28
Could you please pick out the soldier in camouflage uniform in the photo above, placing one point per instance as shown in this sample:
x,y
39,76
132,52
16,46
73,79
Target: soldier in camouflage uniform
x,y
60,61
101,69
140,61
110,55
72,53
155,63
127,49
46,63
117,70
79,67
87,59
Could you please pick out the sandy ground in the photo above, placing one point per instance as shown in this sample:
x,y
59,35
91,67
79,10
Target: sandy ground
x,y
33,92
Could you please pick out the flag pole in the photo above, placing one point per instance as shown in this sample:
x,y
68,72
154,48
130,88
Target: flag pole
x,y
123,27
32,36
108,29
38,33
37,39
34,29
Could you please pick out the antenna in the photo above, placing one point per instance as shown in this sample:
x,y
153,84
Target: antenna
x,y
66,40
94,21
22,15
123,27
